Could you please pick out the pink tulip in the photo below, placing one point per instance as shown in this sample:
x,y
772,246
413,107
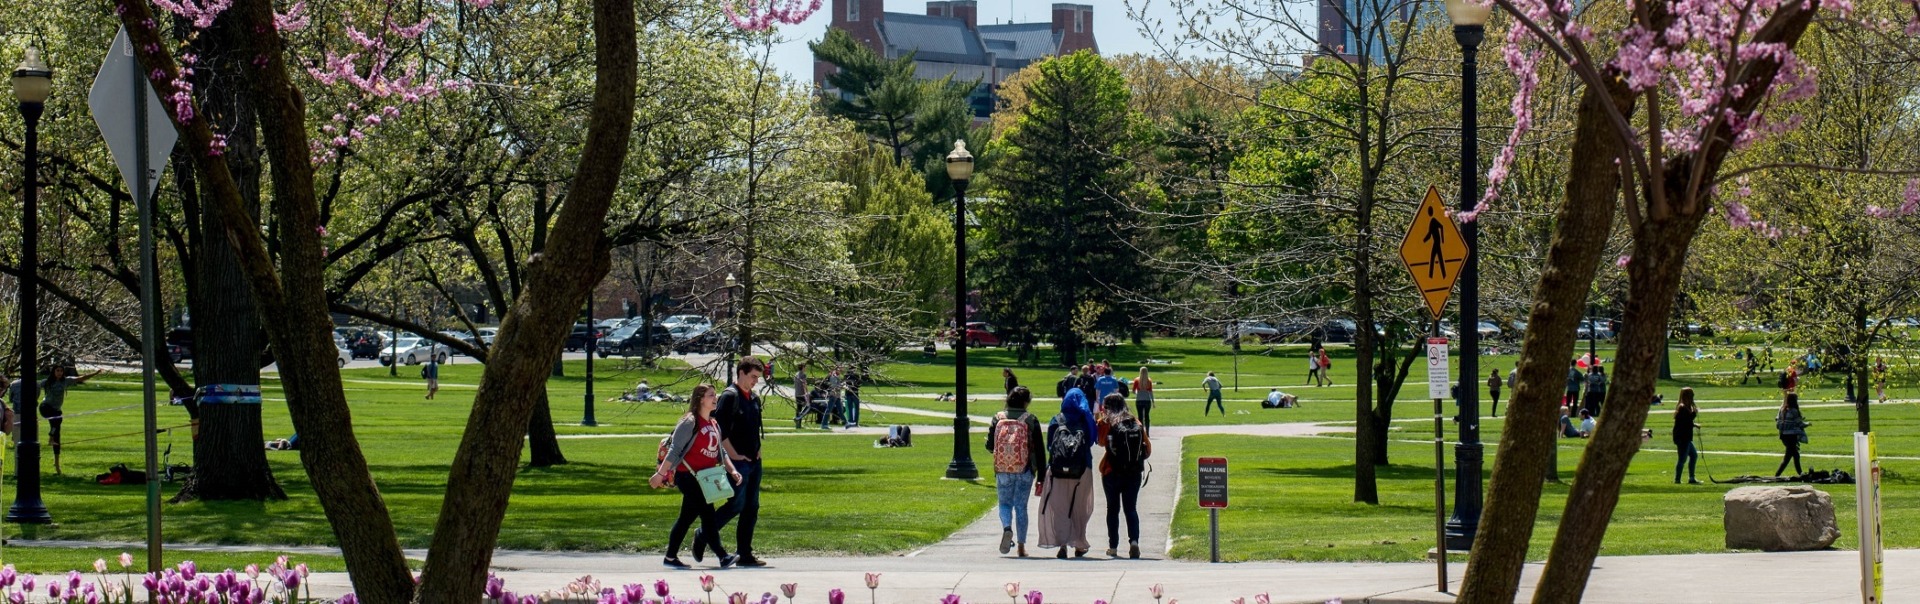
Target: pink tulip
x,y
660,588
788,589
836,596
1013,589
1158,591
737,598
126,559
1034,597
706,583
100,565
873,580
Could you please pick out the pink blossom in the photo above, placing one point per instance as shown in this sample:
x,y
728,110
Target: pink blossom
x,y
762,15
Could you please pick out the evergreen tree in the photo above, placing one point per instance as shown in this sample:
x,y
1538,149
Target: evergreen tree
x,y
915,118
1061,233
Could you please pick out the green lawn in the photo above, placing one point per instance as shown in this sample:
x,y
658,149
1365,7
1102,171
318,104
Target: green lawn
x,y
600,501
1292,500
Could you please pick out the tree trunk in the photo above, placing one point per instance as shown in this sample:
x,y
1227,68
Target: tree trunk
x,y
1659,254
1368,433
575,259
229,461
1528,447
543,444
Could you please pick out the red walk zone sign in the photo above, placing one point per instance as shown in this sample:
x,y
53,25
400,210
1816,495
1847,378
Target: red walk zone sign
x,y
1433,251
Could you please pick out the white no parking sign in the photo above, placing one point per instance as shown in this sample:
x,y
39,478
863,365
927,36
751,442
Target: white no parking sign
x,y
1437,380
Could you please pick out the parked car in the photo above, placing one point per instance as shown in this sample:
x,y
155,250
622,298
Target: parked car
x,y
711,341
1597,329
1255,329
181,338
486,336
699,321
1489,330
686,331
177,353
414,350
581,337
981,334
634,339
346,356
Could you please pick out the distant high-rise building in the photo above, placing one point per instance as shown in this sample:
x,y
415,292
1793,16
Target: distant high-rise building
x,y
949,40
1338,36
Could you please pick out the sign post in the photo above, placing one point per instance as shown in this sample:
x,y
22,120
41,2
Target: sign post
x,y
1213,497
127,112
1434,252
1866,480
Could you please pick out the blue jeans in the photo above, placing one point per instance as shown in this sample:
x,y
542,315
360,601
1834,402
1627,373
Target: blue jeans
x,y
1689,456
745,505
1014,491
852,414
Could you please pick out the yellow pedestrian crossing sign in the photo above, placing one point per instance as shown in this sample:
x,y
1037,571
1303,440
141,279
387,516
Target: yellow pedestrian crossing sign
x,y
1433,251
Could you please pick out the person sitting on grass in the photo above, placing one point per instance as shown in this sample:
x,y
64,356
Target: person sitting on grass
x,y
1567,429
1273,399
1586,423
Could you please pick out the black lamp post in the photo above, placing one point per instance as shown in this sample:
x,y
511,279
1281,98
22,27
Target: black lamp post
x,y
960,170
733,311
1469,29
593,346
32,84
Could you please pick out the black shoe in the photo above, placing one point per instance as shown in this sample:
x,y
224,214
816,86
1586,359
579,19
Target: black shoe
x,y
749,561
729,560
1133,550
1063,553
1006,540
699,546
675,563
1079,553
1692,481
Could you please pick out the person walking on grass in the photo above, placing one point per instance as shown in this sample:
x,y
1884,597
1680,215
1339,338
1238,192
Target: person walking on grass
x,y
1596,389
1880,378
1753,368
695,446
1574,380
1213,395
738,413
1793,432
1018,458
800,398
53,401
1684,425
1313,366
1122,470
1066,500
1493,389
431,373
1143,400
1007,381
1326,366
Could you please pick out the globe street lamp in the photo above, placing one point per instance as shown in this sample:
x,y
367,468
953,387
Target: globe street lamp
x,y
1469,29
960,170
32,84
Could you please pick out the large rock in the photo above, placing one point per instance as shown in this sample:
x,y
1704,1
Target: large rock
x,y
1780,519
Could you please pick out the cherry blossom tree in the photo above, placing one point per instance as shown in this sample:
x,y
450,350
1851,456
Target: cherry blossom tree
x,y
1688,86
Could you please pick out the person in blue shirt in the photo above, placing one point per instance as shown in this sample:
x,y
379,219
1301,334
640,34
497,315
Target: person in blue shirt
x,y
1105,384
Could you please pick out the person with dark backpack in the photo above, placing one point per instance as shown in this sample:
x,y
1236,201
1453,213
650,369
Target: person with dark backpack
x,y
1018,456
1066,499
1121,472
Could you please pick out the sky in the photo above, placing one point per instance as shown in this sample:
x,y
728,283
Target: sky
x,y
1115,33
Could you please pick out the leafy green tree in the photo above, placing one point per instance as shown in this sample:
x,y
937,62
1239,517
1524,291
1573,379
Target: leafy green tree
x,y
1061,229
884,99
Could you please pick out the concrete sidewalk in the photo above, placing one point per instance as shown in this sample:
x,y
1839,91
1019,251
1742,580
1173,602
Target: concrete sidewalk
x,y
1830,577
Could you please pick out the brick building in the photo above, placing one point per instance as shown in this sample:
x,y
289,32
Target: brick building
x,y
950,40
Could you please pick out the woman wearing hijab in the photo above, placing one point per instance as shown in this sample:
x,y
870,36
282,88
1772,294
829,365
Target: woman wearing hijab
x,y
1066,500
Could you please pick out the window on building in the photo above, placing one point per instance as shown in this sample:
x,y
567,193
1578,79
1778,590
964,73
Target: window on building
x,y
853,10
1079,21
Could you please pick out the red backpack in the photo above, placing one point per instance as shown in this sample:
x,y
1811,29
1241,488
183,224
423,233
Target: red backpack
x,y
1011,443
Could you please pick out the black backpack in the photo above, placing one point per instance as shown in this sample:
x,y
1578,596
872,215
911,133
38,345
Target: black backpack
x,y
1065,446
1127,446
1783,381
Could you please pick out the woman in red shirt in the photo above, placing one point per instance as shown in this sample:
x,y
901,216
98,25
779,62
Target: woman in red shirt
x,y
695,447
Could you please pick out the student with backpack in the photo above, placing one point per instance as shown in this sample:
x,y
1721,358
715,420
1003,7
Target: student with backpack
x,y
431,373
1066,383
1018,457
1121,473
1793,432
692,451
1066,499
1143,400
1106,385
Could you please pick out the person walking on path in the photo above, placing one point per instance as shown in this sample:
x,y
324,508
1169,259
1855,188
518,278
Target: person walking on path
x,y
741,430
695,446
1007,380
853,399
1793,432
54,400
1106,385
1122,469
1018,458
1683,428
1313,367
1066,500
1143,400
431,373
1493,389
1067,383
1213,395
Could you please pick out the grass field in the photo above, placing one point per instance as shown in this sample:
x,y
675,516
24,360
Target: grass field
x,y
600,501
1291,492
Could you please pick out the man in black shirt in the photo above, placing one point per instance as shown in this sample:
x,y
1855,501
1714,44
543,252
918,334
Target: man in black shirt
x,y
738,413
